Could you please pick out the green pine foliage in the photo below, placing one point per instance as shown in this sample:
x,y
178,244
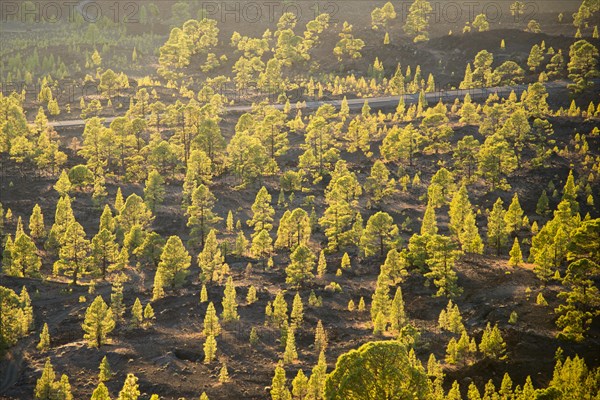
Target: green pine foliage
x,y
421,190
98,323
492,344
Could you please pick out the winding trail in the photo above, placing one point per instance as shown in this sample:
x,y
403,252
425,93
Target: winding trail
x,y
446,96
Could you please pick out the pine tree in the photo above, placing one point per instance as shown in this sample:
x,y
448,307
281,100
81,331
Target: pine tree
x,y
543,267
351,305
316,382
154,190
492,345
402,144
210,349
321,265
211,260
137,313
212,327
300,385
514,216
26,311
116,300
229,302
279,391
63,217
469,239
380,324
506,390
345,264
119,201
454,393
497,158
357,230
395,266
101,392
262,212
572,313
542,204
467,81
200,213
450,319
459,351
297,313
130,390
442,255
583,60
417,21
460,206
241,244
199,171
284,330
37,228
294,229
534,228
253,339
73,252
7,254
468,112
434,368
99,193
570,193
302,263
251,297
148,314
44,343
45,387
98,323
19,229
397,314
203,294
536,56
290,354
361,304
104,251
105,372
378,184
473,392
223,374
107,221
134,212
381,299
24,260
540,300
280,308
380,234
496,232
174,263
262,244
516,257
441,188
63,184
429,225
132,240
229,222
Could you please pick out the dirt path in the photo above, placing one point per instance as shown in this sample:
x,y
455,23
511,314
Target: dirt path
x,y
447,96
